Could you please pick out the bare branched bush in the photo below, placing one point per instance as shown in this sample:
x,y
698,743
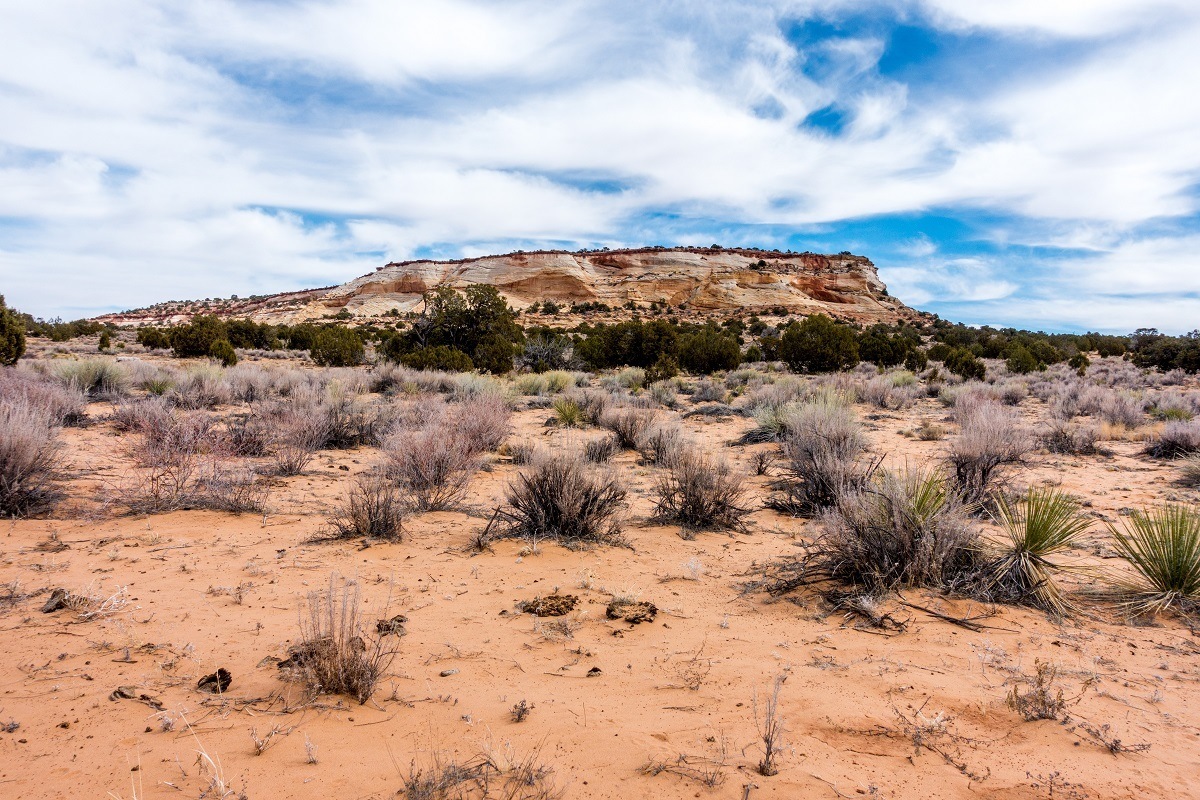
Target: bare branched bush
x,y
769,722
900,530
201,386
663,445
482,422
601,451
991,438
561,497
373,508
221,486
30,457
701,492
335,655
629,424
822,449
432,463
168,456
594,404
1065,438
299,426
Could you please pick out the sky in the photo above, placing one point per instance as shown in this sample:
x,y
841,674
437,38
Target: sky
x,y
1033,163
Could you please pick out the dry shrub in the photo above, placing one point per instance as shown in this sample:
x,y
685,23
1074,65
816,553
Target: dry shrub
x,y
432,463
373,508
335,655
701,492
201,387
561,497
991,438
594,404
298,426
1120,408
601,451
663,445
930,431
629,424
481,422
168,455
63,404
901,530
707,391
1066,439
492,774
1176,440
822,449
29,457
96,378
1044,699
353,421
222,486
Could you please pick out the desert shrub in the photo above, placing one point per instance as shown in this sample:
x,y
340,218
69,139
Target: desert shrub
x,y
561,497
567,412
1163,547
353,421
898,530
601,451
299,426
439,357
701,492
707,391
965,364
883,391
629,424
222,352
336,347
991,438
1120,408
1021,362
1011,393
663,393
373,508
29,458
1066,439
1177,439
221,486
818,344
94,377
335,654
64,405
168,455
530,385
153,338
12,335
433,464
1042,524
1190,470
594,404
930,431
822,444
632,378
662,445
707,350
201,386
482,422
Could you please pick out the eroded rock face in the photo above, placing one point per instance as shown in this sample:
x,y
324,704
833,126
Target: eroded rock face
x,y
698,280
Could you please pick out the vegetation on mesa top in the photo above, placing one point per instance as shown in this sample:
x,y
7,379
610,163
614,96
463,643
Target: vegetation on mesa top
x,y
475,329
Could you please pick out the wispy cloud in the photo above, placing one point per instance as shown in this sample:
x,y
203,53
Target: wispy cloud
x,y
150,150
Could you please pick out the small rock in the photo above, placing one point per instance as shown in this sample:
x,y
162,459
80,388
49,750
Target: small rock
x,y
446,673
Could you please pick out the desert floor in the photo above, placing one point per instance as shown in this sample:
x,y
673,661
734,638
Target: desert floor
x,y
914,710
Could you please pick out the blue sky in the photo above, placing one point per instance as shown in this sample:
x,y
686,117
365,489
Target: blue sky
x,y
1013,162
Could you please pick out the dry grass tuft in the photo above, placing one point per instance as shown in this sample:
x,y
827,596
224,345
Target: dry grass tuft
x,y
373,509
561,497
701,492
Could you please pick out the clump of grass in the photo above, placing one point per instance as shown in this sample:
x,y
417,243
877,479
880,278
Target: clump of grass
x,y
561,497
94,377
930,431
1163,547
1045,522
30,458
701,492
373,508
335,655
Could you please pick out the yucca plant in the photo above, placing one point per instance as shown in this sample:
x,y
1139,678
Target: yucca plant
x,y
1163,547
568,412
1041,524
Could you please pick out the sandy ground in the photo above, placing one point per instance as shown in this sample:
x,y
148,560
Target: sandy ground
x,y
917,713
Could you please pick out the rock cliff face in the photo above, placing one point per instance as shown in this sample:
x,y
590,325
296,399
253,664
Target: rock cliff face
x,y
695,281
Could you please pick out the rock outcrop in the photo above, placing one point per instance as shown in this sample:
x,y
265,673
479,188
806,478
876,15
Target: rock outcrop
x,y
694,281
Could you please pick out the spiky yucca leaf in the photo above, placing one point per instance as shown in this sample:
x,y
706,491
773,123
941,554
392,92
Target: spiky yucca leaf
x,y
1163,547
1044,522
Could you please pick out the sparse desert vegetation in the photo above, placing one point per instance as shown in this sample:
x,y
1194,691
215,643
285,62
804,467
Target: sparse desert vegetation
x,y
566,582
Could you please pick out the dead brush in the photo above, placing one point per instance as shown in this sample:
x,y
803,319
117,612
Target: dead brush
x,y
822,448
770,726
1044,697
561,497
334,655
497,774
663,445
433,464
701,492
601,451
373,509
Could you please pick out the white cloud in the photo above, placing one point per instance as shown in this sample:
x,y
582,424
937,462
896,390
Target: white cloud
x,y
135,153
